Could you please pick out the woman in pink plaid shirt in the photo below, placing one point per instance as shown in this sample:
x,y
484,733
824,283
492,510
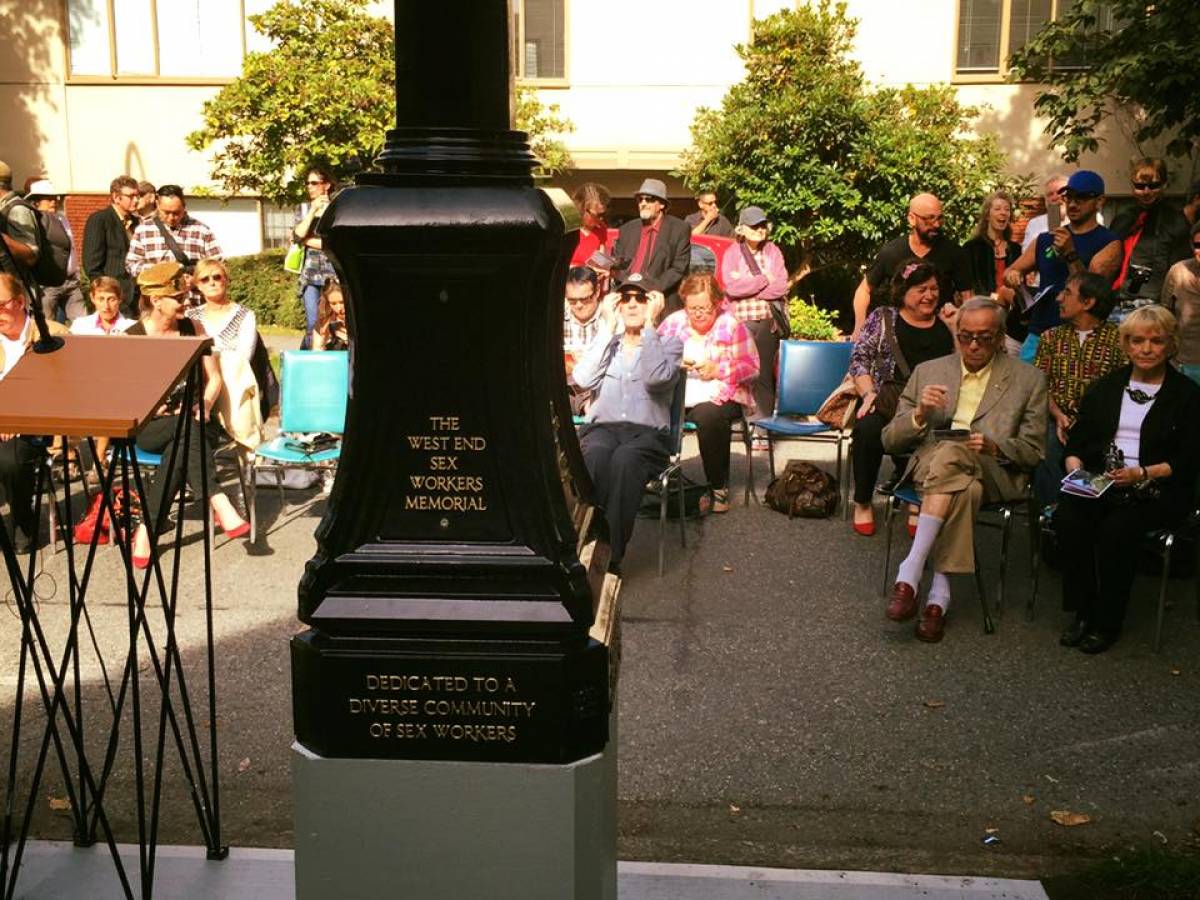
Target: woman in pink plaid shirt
x,y
721,361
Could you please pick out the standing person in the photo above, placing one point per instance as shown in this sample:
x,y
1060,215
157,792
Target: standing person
x,y
1141,423
592,201
171,235
20,455
990,251
147,203
627,436
106,236
1079,245
756,282
63,303
317,269
1072,356
1181,295
894,340
1040,224
1154,234
708,219
720,364
654,245
164,296
924,241
18,229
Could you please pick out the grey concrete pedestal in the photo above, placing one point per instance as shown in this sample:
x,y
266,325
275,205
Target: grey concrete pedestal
x,y
369,829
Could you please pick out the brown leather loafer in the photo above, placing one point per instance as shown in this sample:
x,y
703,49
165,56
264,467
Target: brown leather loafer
x,y
903,604
932,623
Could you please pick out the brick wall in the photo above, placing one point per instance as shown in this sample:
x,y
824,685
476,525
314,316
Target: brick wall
x,y
78,208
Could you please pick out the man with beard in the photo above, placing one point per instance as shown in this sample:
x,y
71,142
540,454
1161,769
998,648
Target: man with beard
x,y
654,245
924,241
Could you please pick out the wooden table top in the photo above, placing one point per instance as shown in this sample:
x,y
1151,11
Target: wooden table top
x,y
98,385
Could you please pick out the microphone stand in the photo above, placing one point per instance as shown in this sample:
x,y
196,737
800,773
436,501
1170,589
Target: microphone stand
x,y
46,342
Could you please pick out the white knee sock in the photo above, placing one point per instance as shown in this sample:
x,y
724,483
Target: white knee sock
x,y
939,591
914,564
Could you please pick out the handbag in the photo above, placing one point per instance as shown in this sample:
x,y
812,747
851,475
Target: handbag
x,y
294,261
838,408
887,397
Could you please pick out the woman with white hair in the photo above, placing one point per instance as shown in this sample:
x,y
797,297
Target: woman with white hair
x,y
1141,426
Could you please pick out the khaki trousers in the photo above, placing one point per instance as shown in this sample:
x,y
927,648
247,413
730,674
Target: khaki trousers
x,y
971,480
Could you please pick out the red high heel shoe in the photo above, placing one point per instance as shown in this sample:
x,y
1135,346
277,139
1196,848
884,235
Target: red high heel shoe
x,y
88,526
232,533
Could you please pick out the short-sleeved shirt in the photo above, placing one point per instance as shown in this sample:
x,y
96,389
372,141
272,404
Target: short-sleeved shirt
x,y
20,225
1071,366
720,226
946,257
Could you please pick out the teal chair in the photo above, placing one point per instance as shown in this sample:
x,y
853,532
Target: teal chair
x,y
314,387
1192,371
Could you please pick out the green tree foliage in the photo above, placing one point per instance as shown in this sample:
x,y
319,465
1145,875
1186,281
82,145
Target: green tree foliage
x,y
326,93
1140,70
832,160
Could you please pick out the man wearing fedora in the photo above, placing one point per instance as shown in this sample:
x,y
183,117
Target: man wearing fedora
x,y
67,297
654,245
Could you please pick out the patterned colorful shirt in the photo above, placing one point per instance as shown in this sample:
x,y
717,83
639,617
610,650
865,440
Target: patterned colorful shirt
x,y
1071,367
728,342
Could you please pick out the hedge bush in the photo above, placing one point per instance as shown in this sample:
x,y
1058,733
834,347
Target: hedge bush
x,y
259,282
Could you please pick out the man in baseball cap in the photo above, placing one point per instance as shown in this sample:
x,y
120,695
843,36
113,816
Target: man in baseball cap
x,y
654,245
1081,244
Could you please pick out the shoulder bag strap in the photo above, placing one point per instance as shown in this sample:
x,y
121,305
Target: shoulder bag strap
x,y
751,262
171,243
889,333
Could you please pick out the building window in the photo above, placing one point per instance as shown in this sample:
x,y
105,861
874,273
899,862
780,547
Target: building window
x,y
989,31
540,39
277,225
173,39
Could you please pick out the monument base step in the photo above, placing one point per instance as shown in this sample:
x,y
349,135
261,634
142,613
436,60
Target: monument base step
x,y
65,872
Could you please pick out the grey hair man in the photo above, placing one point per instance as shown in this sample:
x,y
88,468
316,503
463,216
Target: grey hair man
x,y
975,425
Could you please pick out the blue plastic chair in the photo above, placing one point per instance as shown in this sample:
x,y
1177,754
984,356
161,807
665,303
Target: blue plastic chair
x,y
314,388
809,371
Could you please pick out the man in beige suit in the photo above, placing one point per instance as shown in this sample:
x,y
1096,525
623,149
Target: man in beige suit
x,y
975,424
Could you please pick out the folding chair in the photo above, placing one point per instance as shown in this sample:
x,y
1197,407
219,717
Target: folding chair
x,y
808,373
906,494
671,476
314,388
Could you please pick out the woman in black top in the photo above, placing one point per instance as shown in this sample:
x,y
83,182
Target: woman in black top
x,y
1140,425
163,302
989,253
893,341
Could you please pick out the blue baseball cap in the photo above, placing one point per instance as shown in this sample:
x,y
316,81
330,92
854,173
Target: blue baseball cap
x,y
1085,181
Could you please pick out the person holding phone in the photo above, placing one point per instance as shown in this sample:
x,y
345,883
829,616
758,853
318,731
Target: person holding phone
x,y
316,269
1001,403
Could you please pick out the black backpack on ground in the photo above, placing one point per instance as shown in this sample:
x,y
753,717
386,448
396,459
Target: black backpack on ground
x,y
53,244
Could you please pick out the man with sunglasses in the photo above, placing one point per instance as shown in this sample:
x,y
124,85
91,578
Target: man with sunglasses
x,y
708,218
1154,234
632,372
654,245
975,424
1079,245
926,241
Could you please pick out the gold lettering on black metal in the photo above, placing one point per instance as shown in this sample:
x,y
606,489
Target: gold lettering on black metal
x,y
440,488
442,707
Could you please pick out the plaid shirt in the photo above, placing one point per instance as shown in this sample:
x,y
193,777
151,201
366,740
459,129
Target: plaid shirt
x,y
317,269
1070,367
577,336
147,246
729,343
751,295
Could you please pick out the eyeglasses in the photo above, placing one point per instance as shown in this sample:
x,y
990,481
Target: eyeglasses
x,y
579,301
206,278
312,183
1196,245
929,220
643,198
759,227
1147,185
634,298
1082,196
700,312
125,196
983,338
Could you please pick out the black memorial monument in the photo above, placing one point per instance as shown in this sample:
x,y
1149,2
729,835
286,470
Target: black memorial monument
x,y
448,605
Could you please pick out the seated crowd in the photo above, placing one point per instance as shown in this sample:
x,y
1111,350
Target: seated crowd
x,y
980,370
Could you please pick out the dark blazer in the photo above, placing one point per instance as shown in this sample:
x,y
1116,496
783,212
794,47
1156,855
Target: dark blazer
x,y
669,258
105,243
1170,432
1166,239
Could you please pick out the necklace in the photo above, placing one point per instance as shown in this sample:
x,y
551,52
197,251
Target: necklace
x,y
1140,397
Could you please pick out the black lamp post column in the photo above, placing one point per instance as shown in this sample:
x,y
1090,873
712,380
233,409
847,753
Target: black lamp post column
x,y
447,692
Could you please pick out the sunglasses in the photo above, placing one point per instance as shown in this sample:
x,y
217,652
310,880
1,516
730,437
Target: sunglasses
x,y
205,278
634,298
1196,245
1147,185
647,199
983,338
1080,195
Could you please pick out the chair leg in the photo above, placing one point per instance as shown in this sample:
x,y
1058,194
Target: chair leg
x,y
771,455
887,542
989,627
749,443
1005,535
52,509
845,482
252,500
662,521
1168,545
1036,560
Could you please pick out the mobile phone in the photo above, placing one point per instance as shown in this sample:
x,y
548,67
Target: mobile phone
x,y
1054,216
951,434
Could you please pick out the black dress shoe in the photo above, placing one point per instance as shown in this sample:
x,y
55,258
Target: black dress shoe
x,y
1074,634
21,542
1096,642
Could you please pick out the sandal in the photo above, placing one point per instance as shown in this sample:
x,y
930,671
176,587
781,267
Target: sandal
x,y
720,500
